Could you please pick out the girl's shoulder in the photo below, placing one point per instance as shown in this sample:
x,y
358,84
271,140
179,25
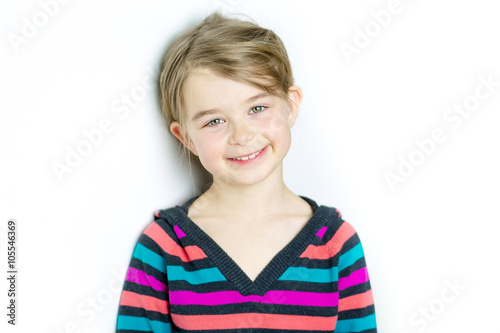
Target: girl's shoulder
x,y
334,230
164,230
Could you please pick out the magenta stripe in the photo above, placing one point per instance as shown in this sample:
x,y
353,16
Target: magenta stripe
x,y
356,277
271,297
321,232
179,232
138,276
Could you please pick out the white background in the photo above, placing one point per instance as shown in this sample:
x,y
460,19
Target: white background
x,y
359,116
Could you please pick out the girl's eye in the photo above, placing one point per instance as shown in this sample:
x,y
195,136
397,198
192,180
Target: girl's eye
x,y
218,121
257,109
215,122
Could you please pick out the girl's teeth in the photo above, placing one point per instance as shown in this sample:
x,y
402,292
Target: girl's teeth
x,y
247,157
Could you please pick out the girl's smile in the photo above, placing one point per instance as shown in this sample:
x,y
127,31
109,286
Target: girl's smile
x,y
246,159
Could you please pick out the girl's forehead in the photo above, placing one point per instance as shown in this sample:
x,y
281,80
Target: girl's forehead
x,y
204,89
208,79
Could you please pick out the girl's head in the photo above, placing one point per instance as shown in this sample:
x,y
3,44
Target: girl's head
x,y
249,56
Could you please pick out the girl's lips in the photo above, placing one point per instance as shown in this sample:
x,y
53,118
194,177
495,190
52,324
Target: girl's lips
x,y
249,159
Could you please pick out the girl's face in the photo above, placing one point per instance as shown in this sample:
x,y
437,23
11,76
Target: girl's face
x,y
240,133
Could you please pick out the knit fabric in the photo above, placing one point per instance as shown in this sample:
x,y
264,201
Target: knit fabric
x,y
180,280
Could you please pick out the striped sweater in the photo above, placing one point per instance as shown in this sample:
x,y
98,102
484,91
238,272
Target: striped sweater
x,y
180,280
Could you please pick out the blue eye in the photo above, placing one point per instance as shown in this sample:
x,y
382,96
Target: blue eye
x,y
257,109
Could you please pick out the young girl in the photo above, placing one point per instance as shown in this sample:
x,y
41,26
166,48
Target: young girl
x,y
247,255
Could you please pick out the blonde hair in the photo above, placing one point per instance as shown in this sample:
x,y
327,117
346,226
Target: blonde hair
x,y
232,48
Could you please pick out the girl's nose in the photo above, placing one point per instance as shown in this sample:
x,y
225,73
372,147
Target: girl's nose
x,y
241,133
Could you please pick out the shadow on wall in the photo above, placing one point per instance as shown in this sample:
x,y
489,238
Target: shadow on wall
x,y
201,178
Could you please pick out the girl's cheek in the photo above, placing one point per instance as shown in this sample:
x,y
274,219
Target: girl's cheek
x,y
211,141
276,124
214,134
208,133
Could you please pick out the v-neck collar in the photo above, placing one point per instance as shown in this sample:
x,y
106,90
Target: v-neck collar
x,y
228,267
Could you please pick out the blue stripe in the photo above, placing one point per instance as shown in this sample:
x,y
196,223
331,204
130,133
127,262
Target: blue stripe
x,y
142,324
149,257
350,257
304,274
356,325
200,276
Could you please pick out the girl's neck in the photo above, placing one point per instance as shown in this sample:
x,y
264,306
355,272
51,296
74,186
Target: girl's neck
x,y
249,203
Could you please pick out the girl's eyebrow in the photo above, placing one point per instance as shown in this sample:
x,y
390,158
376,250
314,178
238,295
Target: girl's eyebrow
x,y
253,98
201,114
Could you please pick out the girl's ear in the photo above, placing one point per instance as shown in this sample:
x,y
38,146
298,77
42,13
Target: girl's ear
x,y
179,133
295,95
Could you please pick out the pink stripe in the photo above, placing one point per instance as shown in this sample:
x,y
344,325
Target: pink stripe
x,y
321,232
271,297
356,277
179,232
157,213
333,246
138,276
